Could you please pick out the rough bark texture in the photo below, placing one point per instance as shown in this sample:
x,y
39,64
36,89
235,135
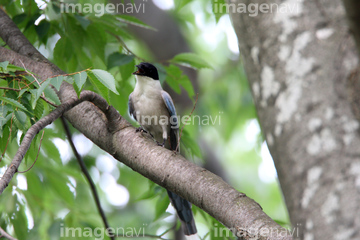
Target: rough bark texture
x,y
299,64
114,135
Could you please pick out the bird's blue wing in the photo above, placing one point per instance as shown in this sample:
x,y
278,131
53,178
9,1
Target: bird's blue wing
x,y
174,123
171,108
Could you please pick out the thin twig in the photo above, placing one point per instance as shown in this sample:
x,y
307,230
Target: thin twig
x,y
48,101
143,236
177,146
37,155
11,89
42,97
150,235
88,178
125,46
99,101
29,72
70,74
6,235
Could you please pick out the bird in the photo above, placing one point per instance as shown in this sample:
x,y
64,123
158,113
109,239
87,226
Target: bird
x,y
153,108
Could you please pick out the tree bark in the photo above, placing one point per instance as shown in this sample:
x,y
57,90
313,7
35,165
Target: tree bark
x,y
299,64
239,213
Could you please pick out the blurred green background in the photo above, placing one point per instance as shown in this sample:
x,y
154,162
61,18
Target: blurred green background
x,y
54,194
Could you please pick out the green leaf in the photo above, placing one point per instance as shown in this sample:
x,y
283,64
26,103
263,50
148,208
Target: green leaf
x,y
59,185
18,125
3,65
4,120
4,136
190,59
175,78
118,59
56,81
52,151
80,79
147,195
42,29
127,70
69,79
22,91
50,94
19,18
104,91
150,193
84,22
13,68
161,206
134,21
218,8
39,91
19,222
25,100
184,81
36,187
105,78
190,144
21,116
63,51
13,103
110,24
4,109
96,41
170,80
39,109
179,4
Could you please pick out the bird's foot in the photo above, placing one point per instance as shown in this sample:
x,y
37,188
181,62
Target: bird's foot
x,y
161,144
140,129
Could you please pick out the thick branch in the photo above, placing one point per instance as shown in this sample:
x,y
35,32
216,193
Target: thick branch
x,y
204,189
43,69
13,37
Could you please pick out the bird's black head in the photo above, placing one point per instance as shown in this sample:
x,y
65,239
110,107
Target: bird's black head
x,y
147,70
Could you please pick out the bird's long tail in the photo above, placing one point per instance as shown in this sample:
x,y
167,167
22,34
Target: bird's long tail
x,y
182,206
183,209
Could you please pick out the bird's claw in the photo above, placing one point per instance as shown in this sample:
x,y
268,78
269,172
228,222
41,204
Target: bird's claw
x,y
161,144
140,129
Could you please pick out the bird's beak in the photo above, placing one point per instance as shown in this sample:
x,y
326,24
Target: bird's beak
x,y
138,71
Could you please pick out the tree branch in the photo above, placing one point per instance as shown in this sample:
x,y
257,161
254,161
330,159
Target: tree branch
x,y
242,215
42,123
6,235
43,69
13,37
42,97
88,178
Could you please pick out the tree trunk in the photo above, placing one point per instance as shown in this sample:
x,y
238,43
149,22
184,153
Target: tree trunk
x,y
300,62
